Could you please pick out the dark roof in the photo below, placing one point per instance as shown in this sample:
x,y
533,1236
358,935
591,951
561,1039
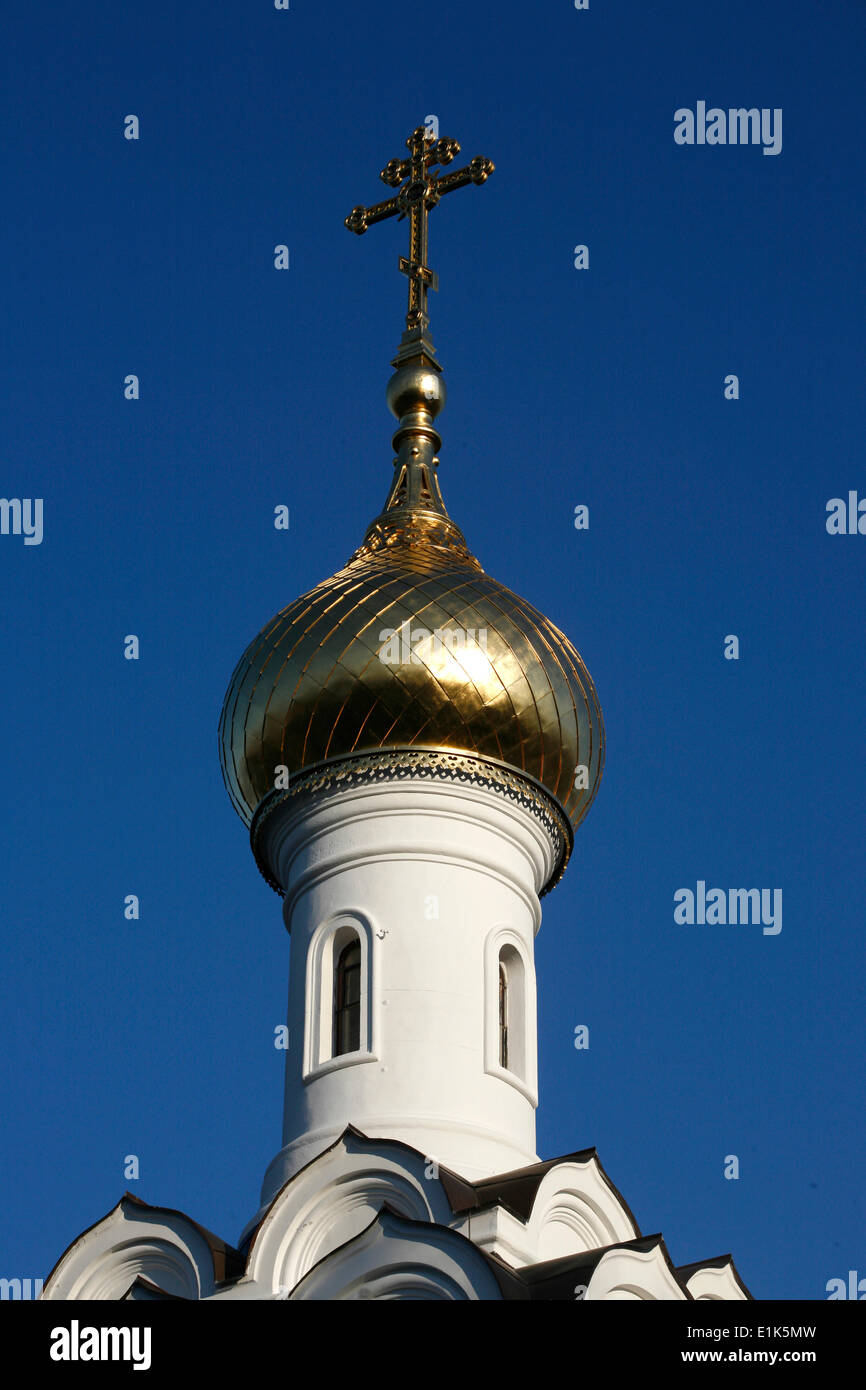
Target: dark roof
x,y
557,1279
228,1263
452,1182
143,1289
515,1191
685,1272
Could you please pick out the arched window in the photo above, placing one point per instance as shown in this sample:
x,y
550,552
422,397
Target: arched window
x,y
509,1010
503,1015
347,999
512,1012
340,1020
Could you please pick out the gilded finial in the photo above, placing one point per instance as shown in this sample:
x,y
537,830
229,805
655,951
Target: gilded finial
x,y
422,189
414,510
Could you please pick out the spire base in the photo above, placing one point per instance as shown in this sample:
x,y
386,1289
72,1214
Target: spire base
x,y
416,345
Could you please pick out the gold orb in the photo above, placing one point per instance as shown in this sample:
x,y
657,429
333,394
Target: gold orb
x,y
412,645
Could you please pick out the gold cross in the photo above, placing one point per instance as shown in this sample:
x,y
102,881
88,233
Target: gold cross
x,y
418,195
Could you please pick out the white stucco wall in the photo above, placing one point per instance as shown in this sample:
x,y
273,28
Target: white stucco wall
x,y
434,877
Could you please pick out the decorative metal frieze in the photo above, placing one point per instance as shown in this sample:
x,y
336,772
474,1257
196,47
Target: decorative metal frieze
x,y
402,764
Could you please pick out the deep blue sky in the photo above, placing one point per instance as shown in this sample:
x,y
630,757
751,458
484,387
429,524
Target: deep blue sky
x,y
604,387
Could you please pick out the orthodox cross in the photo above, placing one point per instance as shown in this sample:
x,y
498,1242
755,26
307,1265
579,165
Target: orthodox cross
x,y
421,192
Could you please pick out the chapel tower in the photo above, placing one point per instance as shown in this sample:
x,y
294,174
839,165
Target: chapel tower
x,y
412,747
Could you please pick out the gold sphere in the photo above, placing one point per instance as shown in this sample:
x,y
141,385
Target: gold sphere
x,y
412,644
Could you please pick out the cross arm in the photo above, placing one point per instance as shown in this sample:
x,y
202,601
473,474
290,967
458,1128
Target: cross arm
x,y
478,170
360,218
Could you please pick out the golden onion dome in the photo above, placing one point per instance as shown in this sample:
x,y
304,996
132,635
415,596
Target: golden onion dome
x,y
411,645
